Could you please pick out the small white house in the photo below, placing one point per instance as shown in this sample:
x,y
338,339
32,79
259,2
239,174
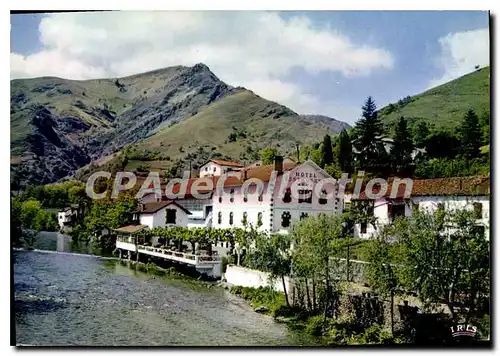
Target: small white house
x,y
470,193
217,167
67,217
161,214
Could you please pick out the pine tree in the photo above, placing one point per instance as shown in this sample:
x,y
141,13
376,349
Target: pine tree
x,y
326,151
368,130
402,149
470,134
344,152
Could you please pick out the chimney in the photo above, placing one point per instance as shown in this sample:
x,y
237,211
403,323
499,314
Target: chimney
x,y
278,164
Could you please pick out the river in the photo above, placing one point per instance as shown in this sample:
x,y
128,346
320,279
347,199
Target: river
x,y
67,298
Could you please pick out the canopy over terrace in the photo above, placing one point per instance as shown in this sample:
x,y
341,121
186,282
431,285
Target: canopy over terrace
x,y
133,234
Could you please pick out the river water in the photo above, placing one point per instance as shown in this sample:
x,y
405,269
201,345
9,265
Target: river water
x,y
65,298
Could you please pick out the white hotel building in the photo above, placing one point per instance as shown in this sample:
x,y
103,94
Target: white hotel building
x,y
275,209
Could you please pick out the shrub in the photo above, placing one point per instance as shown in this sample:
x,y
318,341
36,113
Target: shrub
x,y
316,325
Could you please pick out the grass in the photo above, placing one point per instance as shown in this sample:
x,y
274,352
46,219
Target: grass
x,y
256,121
445,105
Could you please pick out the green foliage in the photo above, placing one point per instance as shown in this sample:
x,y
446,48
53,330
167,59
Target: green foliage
x,y
455,167
372,156
470,135
268,154
402,149
57,195
262,296
446,259
106,213
442,145
441,104
273,255
420,133
326,151
343,152
317,240
26,215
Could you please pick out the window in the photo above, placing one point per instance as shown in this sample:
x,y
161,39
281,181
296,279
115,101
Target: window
x,y
214,169
288,196
231,218
364,225
415,206
478,210
305,196
171,216
304,216
220,199
260,197
244,220
231,198
206,169
219,218
396,210
322,200
285,219
245,197
259,219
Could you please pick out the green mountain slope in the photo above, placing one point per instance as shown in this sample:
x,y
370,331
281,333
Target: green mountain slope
x,y
59,125
445,106
235,124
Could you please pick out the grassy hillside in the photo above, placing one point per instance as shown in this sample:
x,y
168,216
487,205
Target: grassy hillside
x,y
445,106
234,125
60,125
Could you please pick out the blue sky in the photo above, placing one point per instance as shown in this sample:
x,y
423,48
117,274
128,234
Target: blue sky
x,y
381,53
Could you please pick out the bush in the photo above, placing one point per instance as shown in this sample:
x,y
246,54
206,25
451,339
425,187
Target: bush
x,y
375,334
316,325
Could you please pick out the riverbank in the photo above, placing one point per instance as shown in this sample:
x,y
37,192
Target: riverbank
x,y
327,331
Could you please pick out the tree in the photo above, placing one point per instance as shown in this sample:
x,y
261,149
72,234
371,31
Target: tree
x,y
442,145
273,255
420,133
319,239
470,135
268,154
381,273
445,258
326,151
344,152
485,127
402,149
367,131
109,214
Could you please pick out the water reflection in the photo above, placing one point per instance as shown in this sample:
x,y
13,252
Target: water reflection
x,y
55,241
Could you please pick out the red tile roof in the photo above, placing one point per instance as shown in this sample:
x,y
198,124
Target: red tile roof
x,y
470,186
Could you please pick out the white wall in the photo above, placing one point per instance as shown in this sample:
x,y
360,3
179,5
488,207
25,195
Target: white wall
x,y
210,169
245,277
158,219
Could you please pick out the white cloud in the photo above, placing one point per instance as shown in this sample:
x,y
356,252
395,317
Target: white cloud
x,y
460,53
256,50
